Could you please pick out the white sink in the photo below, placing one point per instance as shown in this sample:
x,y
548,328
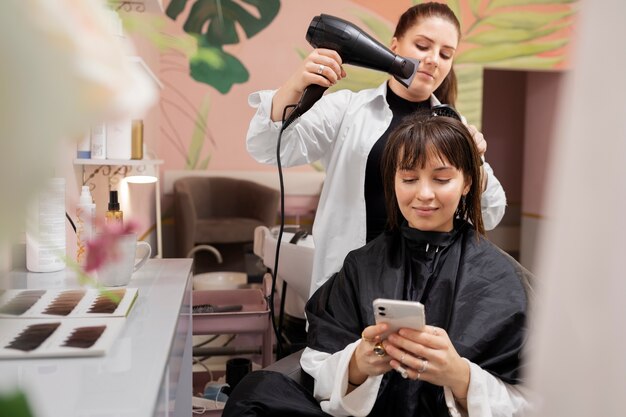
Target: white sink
x,y
220,280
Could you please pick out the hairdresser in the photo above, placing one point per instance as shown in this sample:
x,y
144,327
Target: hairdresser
x,y
347,132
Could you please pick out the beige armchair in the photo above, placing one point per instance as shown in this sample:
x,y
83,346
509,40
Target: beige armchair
x,y
222,212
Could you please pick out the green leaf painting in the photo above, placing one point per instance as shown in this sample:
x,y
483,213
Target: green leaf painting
x,y
506,3
524,20
214,24
499,52
198,137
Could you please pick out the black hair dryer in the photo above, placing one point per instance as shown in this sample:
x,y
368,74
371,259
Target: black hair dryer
x,y
355,47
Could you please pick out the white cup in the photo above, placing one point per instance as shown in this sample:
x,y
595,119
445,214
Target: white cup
x,y
117,272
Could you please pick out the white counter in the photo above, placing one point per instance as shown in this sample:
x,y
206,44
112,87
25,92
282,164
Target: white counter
x,y
146,373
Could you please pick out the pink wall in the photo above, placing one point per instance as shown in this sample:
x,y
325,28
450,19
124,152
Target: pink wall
x,y
503,126
270,57
542,93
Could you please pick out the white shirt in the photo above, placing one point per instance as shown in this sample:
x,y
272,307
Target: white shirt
x,y
339,131
487,396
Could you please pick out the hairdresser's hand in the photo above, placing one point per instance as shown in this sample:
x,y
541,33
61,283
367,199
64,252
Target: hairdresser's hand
x,y
364,361
322,67
429,355
479,140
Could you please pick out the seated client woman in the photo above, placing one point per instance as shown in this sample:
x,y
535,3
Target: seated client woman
x,y
466,360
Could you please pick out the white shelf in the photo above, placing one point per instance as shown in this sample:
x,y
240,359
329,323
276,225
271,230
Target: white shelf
x,y
125,162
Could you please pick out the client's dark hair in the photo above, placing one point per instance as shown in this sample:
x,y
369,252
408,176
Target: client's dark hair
x,y
420,136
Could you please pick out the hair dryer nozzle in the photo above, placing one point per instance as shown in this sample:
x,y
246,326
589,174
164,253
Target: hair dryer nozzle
x,y
358,48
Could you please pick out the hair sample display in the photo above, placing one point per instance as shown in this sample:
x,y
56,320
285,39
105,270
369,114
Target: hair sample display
x,y
84,337
33,336
64,303
19,304
107,303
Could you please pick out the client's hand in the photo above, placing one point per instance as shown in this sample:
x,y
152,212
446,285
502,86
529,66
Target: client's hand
x,y
369,358
428,355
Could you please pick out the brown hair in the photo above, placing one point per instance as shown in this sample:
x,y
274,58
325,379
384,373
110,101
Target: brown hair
x,y
447,91
421,136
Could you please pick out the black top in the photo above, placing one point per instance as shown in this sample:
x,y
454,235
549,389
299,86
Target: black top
x,y
375,209
468,287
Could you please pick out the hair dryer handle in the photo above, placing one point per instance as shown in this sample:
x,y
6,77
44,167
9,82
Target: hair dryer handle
x,y
312,93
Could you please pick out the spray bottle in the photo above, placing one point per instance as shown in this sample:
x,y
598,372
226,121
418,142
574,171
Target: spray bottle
x,y
85,227
114,215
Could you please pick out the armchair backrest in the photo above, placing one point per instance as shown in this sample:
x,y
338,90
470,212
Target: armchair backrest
x,y
215,197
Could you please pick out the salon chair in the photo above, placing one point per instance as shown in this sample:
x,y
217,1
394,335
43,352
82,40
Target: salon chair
x,y
223,213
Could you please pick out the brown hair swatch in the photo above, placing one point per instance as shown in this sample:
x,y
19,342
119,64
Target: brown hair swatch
x,y
19,304
33,336
84,337
64,303
105,303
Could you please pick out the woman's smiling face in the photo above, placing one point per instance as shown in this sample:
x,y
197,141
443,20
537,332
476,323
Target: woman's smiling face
x,y
429,196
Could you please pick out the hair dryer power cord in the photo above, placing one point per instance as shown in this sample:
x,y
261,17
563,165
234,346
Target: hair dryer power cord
x,y
279,337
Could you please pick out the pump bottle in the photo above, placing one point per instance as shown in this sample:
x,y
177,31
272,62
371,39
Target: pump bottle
x,y
85,223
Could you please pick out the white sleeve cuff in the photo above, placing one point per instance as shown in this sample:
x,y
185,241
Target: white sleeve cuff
x,y
331,383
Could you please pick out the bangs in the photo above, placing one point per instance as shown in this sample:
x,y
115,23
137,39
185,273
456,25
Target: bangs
x,y
429,142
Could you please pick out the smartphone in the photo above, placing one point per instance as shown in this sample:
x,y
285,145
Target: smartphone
x,y
399,314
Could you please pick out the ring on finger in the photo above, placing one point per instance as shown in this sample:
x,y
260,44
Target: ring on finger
x,y
320,69
424,367
379,349
402,358
403,372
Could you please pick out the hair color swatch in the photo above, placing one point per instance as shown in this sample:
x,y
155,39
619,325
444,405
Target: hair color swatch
x,y
70,303
107,303
64,303
84,337
64,337
33,336
21,302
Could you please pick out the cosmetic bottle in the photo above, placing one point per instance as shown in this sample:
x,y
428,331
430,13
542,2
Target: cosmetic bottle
x,y
85,223
98,142
114,215
45,229
119,138
137,140
83,147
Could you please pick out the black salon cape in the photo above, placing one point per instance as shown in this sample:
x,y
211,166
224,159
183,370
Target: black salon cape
x,y
468,287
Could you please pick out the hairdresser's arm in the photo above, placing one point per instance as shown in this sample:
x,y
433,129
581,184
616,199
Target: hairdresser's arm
x,y
488,396
331,382
308,73
493,201
309,139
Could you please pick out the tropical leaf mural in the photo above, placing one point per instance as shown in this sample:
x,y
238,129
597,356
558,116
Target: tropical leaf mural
x,y
214,24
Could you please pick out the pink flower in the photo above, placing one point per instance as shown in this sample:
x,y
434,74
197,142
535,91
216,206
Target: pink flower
x,y
103,247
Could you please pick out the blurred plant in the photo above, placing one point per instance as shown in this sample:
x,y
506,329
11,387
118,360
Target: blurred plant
x,y
101,249
14,404
214,24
